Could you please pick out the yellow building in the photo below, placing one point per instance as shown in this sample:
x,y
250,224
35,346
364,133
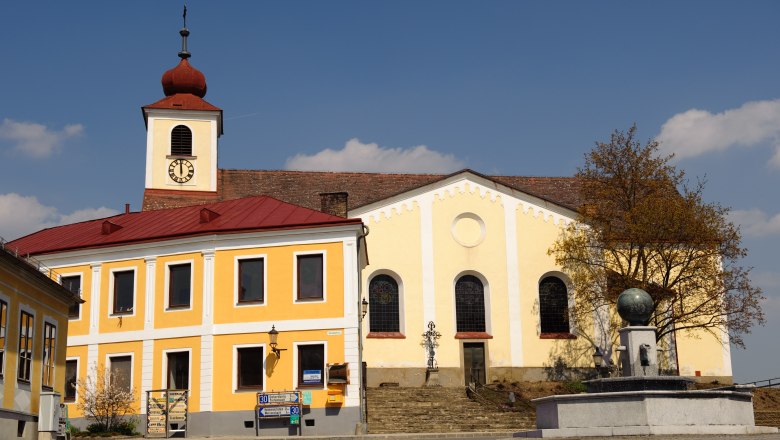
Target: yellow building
x,y
185,299
33,327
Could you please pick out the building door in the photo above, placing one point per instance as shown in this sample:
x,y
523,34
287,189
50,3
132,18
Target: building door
x,y
474,362
179,370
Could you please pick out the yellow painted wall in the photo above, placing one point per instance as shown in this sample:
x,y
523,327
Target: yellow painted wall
x,y
279,297
118,323
135,349
403,258
278,374
201,148
80,352
179,344
701,351
165,317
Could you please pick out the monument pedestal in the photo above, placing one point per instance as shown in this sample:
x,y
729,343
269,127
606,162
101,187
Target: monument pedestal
x,y
432,378
640,356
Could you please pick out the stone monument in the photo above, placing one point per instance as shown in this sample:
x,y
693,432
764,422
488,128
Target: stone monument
x,y
641,402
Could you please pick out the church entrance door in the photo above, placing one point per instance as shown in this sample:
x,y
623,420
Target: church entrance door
x,y
474,362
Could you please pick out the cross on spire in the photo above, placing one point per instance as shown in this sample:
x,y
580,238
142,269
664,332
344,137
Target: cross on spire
x,y
184,32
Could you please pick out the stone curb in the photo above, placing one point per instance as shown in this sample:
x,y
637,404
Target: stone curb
x,y
400,436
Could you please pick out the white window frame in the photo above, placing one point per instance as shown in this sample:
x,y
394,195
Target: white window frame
x,y
324,277
110,305
235,369
78,364
236,280
80,293
324,364
3,370
30,311
49,320
164,375
167,282
132,365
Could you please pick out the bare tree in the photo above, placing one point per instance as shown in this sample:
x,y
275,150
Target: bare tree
x,y
641,225
105,398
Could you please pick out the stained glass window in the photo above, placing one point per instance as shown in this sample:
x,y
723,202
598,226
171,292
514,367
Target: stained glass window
x,y
470,304
553,306
383,300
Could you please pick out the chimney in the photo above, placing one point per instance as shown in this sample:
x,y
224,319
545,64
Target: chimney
x,y
127,208
334,203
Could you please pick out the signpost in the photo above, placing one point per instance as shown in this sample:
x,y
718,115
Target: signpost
x,y
278,405
165,408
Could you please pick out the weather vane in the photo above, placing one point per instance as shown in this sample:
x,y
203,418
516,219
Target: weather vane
x,y
184,15
184,32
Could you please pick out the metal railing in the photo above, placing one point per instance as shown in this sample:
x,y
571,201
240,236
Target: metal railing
x,y
32,262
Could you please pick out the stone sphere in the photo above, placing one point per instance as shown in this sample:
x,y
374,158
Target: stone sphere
x,y
635,306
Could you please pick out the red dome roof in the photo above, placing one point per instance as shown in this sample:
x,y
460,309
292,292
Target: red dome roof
x,y
184,79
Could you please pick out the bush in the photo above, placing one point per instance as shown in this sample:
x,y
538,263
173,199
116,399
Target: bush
x,y
575,387
96,428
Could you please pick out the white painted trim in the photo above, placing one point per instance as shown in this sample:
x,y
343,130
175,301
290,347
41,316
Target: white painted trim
x,y
166,288
53,322
234,388
164,372
236,260
181,115
214,151
92,357
5,298
324,277
457,184
324,364
216,242
216,329
147,370
350,276
31,311
108,361
401,298
514,312
206,371
60,276
425,203
208,290
94,299
110,305
78,366
151,278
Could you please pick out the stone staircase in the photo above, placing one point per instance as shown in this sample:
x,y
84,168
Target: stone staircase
x,y
438,409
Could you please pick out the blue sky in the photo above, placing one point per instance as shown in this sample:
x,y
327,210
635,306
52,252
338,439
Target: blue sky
x,y
501,87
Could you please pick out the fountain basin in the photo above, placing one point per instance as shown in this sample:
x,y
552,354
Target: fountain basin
x,y
644,383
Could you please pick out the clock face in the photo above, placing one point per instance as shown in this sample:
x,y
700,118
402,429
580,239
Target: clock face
x,y
181,170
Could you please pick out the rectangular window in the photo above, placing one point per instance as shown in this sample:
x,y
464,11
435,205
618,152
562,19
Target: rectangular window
x,y
71,379
73,283
121,372
179,285
26,327
179,370
310,276
311,365
49,343
3,334
124,287
251,275
250,368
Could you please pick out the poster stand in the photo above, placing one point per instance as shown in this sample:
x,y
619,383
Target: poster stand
x,y
167,413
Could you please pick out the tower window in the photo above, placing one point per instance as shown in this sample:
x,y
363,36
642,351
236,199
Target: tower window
x,y
181,141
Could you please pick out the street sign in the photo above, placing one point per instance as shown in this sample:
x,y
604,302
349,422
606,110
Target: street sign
x,y
278,411
277,398
295,419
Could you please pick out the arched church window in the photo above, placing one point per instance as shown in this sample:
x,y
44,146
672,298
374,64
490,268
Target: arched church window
x,y
181,141
383,300
469,304
553,305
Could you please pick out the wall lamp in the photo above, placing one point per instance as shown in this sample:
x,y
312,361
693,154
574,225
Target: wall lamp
x,y
273,335
363,308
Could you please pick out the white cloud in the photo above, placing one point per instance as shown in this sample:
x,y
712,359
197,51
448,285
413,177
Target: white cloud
x,y
22,215
696,132
357,156
755,222
37,140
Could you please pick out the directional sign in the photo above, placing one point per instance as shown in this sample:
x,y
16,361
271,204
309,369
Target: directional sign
x,y
295,419
276,398
278,411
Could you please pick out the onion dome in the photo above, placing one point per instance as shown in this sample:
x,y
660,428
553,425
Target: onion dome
x,y
184,79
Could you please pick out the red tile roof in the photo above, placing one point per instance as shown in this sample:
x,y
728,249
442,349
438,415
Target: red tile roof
x,y
234,216
183,101
303,187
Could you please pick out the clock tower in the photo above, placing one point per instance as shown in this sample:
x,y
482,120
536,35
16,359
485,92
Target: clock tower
x,y
182,132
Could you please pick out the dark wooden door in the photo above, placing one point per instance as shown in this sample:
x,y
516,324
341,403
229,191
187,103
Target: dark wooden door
x,y
474,362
